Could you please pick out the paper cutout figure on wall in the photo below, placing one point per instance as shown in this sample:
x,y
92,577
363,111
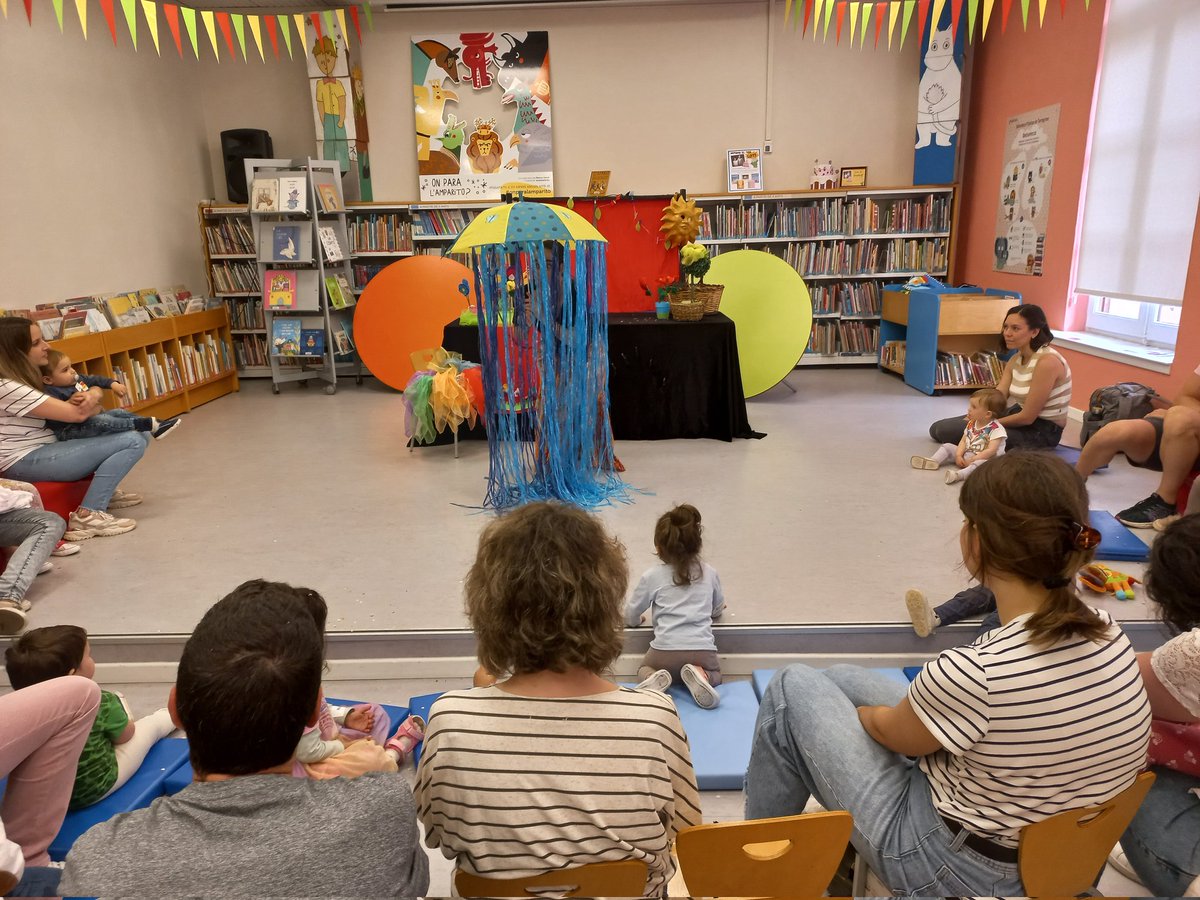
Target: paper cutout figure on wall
x,y
446,159
484,147
432,57
824,176
477,48
331,101
938,93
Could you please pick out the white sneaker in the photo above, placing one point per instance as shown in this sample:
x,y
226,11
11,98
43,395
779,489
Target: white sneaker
x,y
924,622
702,692
47,566
65,549
12,617
121,499
1120,862
90,523
1165,522
952,476
923,462
657,681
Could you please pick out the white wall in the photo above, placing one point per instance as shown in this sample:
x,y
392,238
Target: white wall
x,y
105,152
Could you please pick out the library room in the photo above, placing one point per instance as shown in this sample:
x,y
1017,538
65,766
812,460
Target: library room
x,y
372,385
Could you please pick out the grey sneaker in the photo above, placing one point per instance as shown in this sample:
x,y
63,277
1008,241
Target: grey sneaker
x,y
12,617
121,499
1146,512
657,681
90,523
702,692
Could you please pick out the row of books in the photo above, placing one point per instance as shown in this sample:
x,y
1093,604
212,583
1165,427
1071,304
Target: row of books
x,y
380,233
437,222
833,216
207,359
250,350
103,312
959,370
289,194
230,235
846,298
892,355
850,338
867,215
840,257
245,312
148,380
234,277
289,338
364,272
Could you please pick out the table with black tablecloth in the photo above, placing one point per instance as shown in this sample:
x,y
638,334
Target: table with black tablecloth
x,y
667,379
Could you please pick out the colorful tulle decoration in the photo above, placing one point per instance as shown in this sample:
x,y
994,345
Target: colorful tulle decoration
x,y
543,342
437,397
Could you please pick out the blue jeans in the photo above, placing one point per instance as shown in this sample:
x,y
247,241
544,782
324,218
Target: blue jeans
x,y
107,459
112,421
34,533
38,881
976,600
1163,840
808,743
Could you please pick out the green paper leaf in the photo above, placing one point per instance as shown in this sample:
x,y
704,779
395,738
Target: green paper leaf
x,y
637,225
570,203
596,216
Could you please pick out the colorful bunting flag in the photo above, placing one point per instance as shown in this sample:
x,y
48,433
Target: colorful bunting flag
x,y
301,33
787,12
922,15
340,15
58,5
226,30
972,11
358,29
106,6
829,7
286,29
4,8
256,31
81,8
210,26
1041,12
987,15
239,28
150,11
327,17
853,22
189,25
908,11
939,6
866,20
316,23
274,38
880,9
1024,15
808,8
371,18
955,18
1005,9
819,8
130,11
1063,7
841,17
171,14
28,11
893,14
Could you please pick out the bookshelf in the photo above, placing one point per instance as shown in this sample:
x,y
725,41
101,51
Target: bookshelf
x,y
848,244
230,264
943,340
170,365
379,234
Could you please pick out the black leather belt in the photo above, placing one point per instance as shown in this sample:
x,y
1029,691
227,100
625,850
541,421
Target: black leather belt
x,y
979,844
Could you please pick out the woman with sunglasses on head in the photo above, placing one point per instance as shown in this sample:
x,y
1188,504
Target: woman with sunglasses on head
x,y
1043,714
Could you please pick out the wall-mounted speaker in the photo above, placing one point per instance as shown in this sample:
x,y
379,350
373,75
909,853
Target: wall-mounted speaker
x,y
238,145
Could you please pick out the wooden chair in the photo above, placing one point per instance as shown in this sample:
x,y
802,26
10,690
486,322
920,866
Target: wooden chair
x,y
608,879
790,856
1065,854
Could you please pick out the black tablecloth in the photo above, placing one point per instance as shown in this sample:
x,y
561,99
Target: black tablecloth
x,y
667,379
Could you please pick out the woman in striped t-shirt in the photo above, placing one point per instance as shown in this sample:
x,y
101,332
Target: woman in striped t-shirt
x,y
1043,714
1036,381
556,766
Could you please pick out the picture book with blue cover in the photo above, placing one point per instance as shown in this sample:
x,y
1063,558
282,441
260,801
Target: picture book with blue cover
x,y
312,342
285,336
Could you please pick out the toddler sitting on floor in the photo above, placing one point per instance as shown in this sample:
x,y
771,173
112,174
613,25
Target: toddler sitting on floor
x,y
983,438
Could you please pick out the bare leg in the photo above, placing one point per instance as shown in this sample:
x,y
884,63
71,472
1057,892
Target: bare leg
x,y
1133,437
1180,449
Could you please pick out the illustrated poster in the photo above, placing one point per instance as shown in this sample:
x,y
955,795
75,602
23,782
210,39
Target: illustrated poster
x,y
743,169
482,109
1024,207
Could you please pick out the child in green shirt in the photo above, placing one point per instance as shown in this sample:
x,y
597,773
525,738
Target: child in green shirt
x,y
116,747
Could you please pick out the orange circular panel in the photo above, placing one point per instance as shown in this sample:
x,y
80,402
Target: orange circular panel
x,y
404,309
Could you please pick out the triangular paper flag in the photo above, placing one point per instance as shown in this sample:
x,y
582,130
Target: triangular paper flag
x,y
340,15
239,28
354,19
286,30
171,14
226,31
57,13
106,6
808,8
987,14
272,25
150,11
210,27
853,22
1024,15
1041,12
817,10
866,20
371,18
256,31
787,12
189,25
28,11
327,18
909,5
130,11
316,24
81,8
829,7
972,11
1005,8
841,16
1063,5
955,17
4,9
939,7
880,11
922,15
301,33
893,14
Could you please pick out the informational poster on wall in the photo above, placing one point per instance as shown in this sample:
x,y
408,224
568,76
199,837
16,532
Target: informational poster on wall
x,y
743,169
482,107
1024,207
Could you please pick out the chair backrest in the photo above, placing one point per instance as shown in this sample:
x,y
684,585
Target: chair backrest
x,y
1064,854
607,879
786,857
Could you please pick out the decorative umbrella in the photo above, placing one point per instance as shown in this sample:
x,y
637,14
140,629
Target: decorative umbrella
x,y
543,340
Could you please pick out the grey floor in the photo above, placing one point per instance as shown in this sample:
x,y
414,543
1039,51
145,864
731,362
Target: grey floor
x,y
822,521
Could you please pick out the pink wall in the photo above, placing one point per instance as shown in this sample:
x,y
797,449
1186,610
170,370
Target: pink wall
x,y
1015,73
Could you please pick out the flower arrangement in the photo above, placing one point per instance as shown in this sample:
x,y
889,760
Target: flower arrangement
x,y
695,262
660,289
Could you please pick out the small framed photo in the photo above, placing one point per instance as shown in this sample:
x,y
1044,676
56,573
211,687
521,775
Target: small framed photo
x,y
853,176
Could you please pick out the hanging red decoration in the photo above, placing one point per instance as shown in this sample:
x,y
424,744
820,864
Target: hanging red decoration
x,y
171,14
272,36
353,10
922,15
880,10
841,16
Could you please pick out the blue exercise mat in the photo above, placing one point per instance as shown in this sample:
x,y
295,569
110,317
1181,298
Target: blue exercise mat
x,y
1116,541
762,677
720,738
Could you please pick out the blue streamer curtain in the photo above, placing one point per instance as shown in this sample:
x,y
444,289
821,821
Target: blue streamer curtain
x,y
543,341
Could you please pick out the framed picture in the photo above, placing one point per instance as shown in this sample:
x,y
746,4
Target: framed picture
x,y
853,176
598,183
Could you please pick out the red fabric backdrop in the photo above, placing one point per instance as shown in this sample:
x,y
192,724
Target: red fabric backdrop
x,y
632,254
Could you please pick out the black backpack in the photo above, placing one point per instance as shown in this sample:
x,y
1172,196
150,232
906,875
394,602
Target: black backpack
x,y
1127,400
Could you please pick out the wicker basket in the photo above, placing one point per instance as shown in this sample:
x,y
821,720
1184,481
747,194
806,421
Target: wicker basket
x,y
710,294
686,308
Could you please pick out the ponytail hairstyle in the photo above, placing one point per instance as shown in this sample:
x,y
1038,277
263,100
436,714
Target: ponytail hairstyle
x,y
15,343
1029,512
1035,317
677,541
1173,578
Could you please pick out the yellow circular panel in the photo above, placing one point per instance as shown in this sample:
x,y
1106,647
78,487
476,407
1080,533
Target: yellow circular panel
x,y
769,302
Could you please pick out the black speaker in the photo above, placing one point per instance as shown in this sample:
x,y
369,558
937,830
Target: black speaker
x,y
238,145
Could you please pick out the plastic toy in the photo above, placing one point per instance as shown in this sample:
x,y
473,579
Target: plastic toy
x,y
1101,579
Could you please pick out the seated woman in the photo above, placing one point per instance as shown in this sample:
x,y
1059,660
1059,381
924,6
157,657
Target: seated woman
x,y
1036,381
1163,842
556,766
29,451
1046,713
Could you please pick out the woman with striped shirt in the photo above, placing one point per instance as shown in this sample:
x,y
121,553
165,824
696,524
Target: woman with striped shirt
x,y
1036,381
1043,714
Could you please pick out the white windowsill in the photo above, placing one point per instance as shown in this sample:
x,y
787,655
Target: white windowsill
x,y
1156,359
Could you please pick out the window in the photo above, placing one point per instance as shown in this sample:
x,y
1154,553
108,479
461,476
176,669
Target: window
x,y
1145,323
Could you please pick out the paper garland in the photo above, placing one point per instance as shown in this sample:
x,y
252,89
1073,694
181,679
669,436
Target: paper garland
x,y
230,24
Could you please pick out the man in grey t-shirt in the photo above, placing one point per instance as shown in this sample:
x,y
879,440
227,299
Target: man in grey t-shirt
x,y
247,686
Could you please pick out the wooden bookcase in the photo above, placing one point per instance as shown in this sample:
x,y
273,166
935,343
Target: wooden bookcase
x,y
953,321
170,343
228,254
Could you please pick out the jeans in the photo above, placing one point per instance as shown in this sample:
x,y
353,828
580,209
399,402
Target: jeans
x,y
1163,841
38,881
107,459
808,743
1040,434
976,600
34,533
113,421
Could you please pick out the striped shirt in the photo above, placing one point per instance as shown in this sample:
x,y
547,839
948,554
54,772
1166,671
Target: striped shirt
x,y
1059,401
1030,730
20,433
513,786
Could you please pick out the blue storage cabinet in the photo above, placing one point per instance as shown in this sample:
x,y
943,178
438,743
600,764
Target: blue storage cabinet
x,y
929,319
